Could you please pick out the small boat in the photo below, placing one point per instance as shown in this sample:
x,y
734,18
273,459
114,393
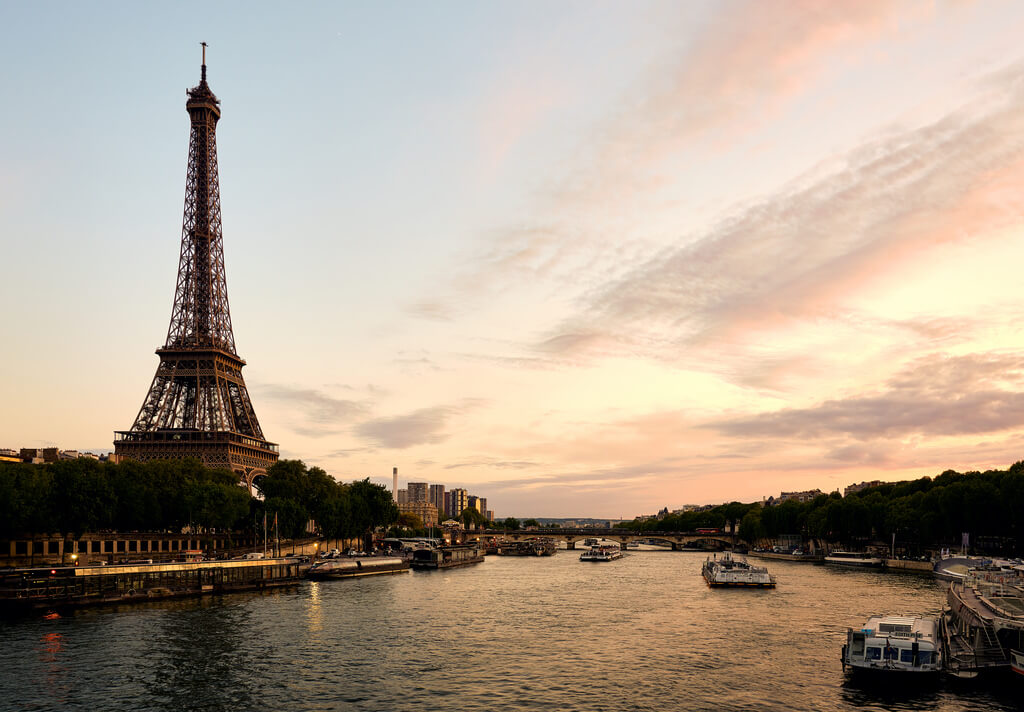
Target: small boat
x,y
633,545
901,645
861,559
1017,661
725,570
446,557
364,566
607,552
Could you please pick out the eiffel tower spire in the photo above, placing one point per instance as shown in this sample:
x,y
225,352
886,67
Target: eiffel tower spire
x,y
198,405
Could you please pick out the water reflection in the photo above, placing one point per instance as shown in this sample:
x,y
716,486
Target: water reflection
x,y
199,659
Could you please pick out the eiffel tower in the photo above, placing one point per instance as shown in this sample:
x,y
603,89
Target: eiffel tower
x,y
198,405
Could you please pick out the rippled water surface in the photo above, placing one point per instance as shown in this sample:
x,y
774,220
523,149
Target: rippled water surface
x,y
640,633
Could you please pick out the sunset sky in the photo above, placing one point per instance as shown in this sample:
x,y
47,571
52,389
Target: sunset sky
x,y
581,258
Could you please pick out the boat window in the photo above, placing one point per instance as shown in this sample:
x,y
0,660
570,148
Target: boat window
x,y
906,655
924,657
873,654
891,653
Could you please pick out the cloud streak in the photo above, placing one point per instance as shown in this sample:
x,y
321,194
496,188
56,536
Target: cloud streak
x,y
934,396
801,253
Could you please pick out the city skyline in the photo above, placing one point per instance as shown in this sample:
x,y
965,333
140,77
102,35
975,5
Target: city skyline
x,y
592,259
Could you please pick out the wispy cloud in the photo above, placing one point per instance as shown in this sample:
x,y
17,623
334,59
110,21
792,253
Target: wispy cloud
x,y
799,254
313,413
934,396
421,427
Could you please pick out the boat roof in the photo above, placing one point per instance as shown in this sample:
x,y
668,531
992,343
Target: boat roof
x,y
900,626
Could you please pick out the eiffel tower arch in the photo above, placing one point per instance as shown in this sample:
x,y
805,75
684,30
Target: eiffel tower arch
x,y
197,405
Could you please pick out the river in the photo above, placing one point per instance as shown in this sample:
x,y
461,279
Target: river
x,y
640,633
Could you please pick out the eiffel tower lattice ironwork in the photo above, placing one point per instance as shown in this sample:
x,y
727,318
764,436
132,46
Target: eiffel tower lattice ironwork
x,y
198,405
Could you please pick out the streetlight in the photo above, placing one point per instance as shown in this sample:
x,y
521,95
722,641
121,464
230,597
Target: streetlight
x,y
316,550
74,559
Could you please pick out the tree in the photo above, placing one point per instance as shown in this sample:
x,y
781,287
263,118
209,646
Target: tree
x,y
531,523
510,523
471,516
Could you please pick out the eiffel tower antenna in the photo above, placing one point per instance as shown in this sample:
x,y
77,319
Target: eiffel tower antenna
x,y
198,405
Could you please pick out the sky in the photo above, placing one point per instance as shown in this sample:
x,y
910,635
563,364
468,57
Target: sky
x,y
580,258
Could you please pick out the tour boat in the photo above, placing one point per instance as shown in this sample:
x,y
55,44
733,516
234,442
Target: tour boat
x,y
902,645
607,552
861,559
363,566
725,570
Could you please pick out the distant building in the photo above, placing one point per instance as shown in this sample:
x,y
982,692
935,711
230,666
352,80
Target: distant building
x,y
418,491
403,497
436,497
806,496
460,500
424,510
862,486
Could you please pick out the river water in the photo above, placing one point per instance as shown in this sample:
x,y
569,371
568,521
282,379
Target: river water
x,y
640,633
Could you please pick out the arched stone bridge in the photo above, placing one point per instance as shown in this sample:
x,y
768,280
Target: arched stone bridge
x,y
570,536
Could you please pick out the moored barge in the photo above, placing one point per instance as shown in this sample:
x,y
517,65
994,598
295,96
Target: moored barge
x,y
983,624
534,546
446,557
44,588
361,566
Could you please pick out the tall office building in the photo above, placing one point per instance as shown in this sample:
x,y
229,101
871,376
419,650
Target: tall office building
x,y
460,500
403,497
417,492
436,498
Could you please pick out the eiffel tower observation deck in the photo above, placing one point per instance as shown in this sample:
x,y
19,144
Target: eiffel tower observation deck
x,y
198,405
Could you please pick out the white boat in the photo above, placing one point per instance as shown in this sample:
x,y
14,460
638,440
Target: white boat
x,y
854,558
725,570
633,545
606,552
1017,661
894,644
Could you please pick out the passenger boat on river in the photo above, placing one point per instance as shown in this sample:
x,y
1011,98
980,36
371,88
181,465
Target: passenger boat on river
x,y
725,570
900,645
446,557
607,552
73,586
860,559
363,566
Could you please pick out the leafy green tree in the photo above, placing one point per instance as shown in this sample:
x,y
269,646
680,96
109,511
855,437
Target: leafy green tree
x,y
531,523
510,523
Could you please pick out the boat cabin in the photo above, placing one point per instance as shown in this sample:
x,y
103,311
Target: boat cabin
x,y
894,643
